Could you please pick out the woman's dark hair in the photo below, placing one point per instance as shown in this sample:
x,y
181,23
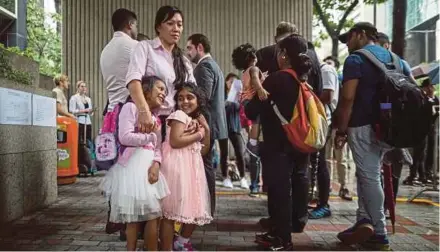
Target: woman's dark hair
x,y
200,95
295,47
147,83
231,75
164,14
243,55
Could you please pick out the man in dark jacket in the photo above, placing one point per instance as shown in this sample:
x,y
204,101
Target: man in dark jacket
x,y
267,56
210,79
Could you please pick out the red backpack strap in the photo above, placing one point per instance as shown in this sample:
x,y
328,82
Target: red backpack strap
x,y
295,75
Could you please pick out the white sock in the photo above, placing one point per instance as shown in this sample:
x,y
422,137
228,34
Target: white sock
x,y
253,142
182,240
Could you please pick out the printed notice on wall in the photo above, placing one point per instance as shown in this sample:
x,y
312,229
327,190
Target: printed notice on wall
x,y
15,107
44,111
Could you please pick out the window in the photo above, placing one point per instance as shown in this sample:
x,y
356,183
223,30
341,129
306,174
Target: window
x,y
9,6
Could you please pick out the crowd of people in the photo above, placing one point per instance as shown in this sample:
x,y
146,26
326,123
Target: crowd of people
x,y
175,104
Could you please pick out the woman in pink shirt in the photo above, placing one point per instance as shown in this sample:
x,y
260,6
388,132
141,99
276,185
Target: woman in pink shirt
x,y
163,58
134,184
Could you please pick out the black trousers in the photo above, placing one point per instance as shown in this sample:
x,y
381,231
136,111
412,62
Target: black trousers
x,y
323,179
419,159
81,132
288,192
237,143
210,175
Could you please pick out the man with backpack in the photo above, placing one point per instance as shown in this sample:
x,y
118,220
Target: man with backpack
x,y
358,113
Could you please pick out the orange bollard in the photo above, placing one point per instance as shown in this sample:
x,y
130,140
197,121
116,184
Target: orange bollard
x,y
67,150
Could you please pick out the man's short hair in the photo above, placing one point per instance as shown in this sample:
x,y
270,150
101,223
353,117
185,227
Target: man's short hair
x,y
121,18
198,38
382,38
60,78
284,28
334,59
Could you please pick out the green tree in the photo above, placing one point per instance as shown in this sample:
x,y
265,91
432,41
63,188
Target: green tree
x,y
43,41
333,15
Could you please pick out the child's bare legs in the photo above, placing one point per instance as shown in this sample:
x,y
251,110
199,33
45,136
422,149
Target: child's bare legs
x,y
151,235
131,232
187,230
166,235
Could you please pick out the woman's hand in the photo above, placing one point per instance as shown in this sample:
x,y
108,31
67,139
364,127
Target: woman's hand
x,y
153,173
192,128
146,123
201,131
202,120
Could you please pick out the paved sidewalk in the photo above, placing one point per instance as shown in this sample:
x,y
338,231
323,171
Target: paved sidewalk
x,y
76,222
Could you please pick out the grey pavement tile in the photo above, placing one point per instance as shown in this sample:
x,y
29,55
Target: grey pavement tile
x,y
418,230
85,243
92,248
79,215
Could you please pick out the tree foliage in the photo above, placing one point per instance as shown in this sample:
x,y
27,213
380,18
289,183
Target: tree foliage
x,y
334,16
43,40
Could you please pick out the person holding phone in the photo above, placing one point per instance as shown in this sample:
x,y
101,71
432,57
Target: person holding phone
x,y
80,105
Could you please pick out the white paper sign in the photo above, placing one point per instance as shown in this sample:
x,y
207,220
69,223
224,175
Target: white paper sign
x,y
15,107
235,91
44,111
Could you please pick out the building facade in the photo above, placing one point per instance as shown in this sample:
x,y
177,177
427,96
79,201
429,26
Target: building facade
x,y
13,23
422,30
228,23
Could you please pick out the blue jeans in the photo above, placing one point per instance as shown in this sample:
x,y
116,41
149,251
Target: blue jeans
x,y
367,155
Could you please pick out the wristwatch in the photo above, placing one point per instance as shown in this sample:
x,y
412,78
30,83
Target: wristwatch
x,y
341,133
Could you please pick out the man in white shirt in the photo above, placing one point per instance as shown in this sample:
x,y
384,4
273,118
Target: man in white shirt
x,y
329,97
114,66
116,56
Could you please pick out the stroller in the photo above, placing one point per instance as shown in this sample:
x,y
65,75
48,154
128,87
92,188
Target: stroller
x,y
85,154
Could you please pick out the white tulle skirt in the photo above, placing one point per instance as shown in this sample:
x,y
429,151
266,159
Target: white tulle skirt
x,y
132,197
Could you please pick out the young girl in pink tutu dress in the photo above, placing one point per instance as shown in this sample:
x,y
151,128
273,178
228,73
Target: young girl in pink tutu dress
x,y
134,184
183,168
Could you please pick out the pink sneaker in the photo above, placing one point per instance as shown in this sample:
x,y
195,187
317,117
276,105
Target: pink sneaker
x,y
177,246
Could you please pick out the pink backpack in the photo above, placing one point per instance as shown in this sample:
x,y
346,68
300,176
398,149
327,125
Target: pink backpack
x,y
106,143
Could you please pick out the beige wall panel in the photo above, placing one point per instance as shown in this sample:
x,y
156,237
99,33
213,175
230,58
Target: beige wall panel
x,y
227,23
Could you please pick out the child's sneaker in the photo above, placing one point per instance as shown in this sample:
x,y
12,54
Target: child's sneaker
x,y
178,246
378,242
320,212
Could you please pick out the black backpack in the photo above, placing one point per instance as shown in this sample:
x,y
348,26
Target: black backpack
x,y
405,113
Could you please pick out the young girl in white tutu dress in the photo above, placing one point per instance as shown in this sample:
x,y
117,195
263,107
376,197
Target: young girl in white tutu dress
x,y
134,184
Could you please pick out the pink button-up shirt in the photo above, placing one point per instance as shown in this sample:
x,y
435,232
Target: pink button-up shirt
x,y
151,58
132,139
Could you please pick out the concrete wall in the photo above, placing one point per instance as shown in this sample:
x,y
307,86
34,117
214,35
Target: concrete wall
x,y
28,158
46,82
228,23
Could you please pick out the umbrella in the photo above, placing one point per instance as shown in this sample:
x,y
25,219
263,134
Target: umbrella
x,y
389,193
433,74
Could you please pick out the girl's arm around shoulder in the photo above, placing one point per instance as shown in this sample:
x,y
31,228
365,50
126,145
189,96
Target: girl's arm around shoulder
x,y
206,132
178,123
158,146
127,125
